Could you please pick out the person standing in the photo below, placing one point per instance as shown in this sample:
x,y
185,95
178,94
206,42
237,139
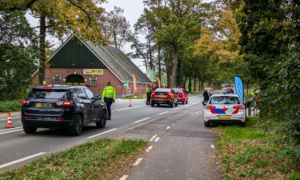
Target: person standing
x,y
148,95
109,96
206,95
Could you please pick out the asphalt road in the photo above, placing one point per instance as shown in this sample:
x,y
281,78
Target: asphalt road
x,y
18,148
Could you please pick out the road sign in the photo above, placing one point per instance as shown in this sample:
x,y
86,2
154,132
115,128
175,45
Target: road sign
x,y
126,84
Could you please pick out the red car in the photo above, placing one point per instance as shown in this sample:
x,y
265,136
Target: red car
x,y
182,95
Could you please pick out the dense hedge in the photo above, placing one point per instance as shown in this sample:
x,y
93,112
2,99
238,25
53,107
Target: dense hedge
x,y
9,106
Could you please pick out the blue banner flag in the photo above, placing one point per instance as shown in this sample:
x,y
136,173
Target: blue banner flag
x,y
239,88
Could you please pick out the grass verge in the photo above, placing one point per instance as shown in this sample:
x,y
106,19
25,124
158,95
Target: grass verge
x,y
101,159
248,153
139,96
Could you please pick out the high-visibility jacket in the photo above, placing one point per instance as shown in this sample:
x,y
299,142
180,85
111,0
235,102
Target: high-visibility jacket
x,y
109,92
148,89
187,89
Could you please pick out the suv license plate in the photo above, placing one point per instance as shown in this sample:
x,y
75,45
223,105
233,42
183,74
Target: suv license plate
x,y
161,96
43,105
224,117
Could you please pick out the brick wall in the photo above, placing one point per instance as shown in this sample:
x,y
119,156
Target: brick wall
x,y
101,81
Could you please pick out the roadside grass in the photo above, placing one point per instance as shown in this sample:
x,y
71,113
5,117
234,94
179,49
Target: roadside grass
x,y
100,159
248,153
139,96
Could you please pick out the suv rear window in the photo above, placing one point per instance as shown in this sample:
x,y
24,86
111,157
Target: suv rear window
x,y
224,100
162,90
178,90
47,94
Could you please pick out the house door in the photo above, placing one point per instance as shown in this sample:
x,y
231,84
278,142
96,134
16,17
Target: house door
x,y
75,80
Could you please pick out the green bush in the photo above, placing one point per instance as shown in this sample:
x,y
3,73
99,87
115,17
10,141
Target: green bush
x,y
10,106
293,176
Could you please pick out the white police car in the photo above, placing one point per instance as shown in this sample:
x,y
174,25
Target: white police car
x,y
224,108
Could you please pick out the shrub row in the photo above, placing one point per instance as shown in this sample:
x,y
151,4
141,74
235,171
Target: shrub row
x,y
10,106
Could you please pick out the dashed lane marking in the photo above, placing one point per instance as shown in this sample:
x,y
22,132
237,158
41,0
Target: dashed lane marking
x,y
193,103
153,137
156,139
141,120
168,127
137,162
20,160
123,177
102,133
11,131
11,118
212,146
192,114
163,113
149,148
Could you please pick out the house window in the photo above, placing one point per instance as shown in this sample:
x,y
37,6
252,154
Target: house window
x,y
93,81
142,86
128,86
56,81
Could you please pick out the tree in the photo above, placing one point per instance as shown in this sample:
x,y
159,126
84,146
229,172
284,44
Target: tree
x,y
62,17
260,46
18,54
181,24
116,28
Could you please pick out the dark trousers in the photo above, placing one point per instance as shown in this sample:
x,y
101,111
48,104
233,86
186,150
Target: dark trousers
x,y
108,102
148,98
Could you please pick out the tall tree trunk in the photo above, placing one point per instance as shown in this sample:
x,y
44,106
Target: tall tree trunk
x,y
115,40
150,54
185,82
199,85
159,63
42,67
175,63
190,83
195,83
168,78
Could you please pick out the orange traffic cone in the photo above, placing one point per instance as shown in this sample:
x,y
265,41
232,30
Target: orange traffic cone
x,y
190,95
9,125
130,104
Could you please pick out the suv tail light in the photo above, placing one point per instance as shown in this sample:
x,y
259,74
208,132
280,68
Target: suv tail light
x,y
47,88
59,118
170,94
25,102
64,103
210,107
153,93
26,117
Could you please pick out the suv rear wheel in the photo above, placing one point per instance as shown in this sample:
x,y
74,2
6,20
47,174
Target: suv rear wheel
x,y
29,130
76,129
102,122
172,104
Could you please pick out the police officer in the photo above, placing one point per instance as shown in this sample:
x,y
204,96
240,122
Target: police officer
x,y
148,95
109,95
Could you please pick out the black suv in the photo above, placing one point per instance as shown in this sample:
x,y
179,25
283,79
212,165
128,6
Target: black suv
x,y
63,106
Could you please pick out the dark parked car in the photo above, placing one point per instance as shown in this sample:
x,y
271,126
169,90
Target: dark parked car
x,y
64,106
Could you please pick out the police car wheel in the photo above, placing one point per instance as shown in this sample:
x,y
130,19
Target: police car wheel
x,y
206,124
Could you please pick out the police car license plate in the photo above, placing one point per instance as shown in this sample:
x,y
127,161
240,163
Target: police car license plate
x,y
224,117
43,105
161,96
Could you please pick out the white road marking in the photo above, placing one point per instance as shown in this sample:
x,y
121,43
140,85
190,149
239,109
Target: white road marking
x,y
153,137
11,118
168,127
149,148
137,162
163,113
212,146
142,120
193,103
196,112
156,139
123,177
11,131
20,160
173,123
176,109
102,133
192,114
